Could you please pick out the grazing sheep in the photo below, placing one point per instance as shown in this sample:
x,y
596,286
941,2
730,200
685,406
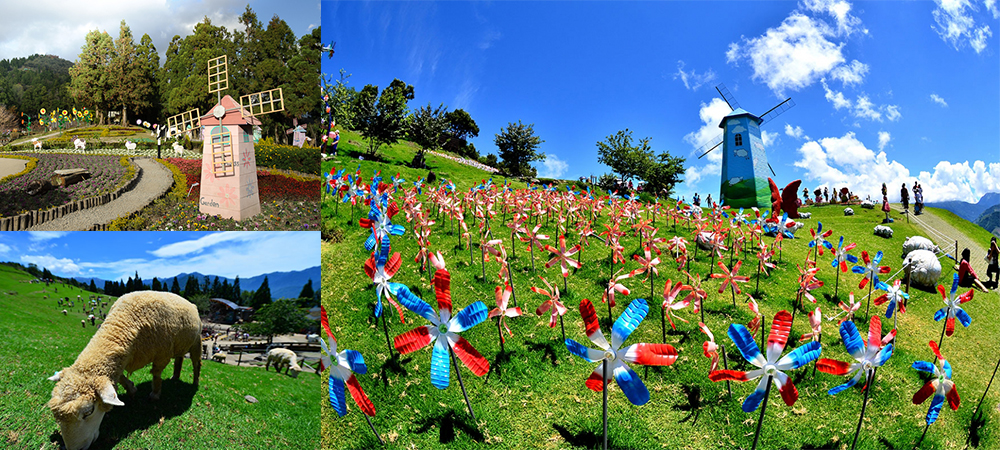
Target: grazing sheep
x,y
848,211
883,231
80,144
37,143
141,328
283,358
704,239
312,338
220,357
83,323
918,243
65,312
178,148
130,146
923,268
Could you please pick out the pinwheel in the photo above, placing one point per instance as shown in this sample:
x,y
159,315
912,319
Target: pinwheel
x,y
583,228
516,229
840,260
611,354
848,309
869,358
697,296
647,265
757,323
563,257
443,333
553,306
502,311
711,351
730,278
819,240
807,282
896,298
953,308
380,222
678,246
397,181
763,263
533,239
717,243
870,272
342,373
770,366
380,268
614,285
670,304
419,185
941,385
816,324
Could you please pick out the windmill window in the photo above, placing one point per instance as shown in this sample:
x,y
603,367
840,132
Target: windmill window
x,y
739,139
246,138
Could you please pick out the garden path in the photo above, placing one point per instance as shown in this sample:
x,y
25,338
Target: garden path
x,y
29,138
10,166
154,180
944,235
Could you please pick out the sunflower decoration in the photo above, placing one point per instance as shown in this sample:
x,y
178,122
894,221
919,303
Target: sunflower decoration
x,y
41,112
65,113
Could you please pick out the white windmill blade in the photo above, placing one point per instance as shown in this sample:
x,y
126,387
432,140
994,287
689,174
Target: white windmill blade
x,y
727,96
777,110
709,146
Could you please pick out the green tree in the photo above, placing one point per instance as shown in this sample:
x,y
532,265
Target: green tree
x,y
461,125
307,290
341,99
202,302
46,274
301,99
426,128
663,174
277,318
175,287
90,80
191,288
625,159
155,286
93,286
148,60
237,291
131,75
381,118
518,145
262,296
184,75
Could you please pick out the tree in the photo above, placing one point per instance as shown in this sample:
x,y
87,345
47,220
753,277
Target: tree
x,y
132,74
381,118
341,99
191,288
627,160
262,296
90,81
237,291
148,61
461,125
277,318
307,290
175,287
301,100
663,174
184,75
93,286
427,129
517,146
202,302
46,274
155,285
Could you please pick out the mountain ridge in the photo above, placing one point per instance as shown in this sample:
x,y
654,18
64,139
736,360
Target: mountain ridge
x,y
285,284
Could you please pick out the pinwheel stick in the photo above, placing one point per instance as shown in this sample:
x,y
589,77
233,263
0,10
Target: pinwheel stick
x,y
605,384
458,372
385,327
725,364
757,288
763,407
663,323
940,341
563,329
870,286
380,441
499,333
531,248
864,403
836,286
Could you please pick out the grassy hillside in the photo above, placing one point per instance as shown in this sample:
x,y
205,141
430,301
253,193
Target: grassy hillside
x,y
38,340
535,397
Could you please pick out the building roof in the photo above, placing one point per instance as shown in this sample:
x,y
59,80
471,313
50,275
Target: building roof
x,y
230,304
233,114
737,113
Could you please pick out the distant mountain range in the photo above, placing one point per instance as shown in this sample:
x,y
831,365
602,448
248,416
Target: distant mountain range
x,y
990,220
282,284
970,211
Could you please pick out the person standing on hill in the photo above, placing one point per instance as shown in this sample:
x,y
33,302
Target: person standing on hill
x,y
992,268
904,196
918,198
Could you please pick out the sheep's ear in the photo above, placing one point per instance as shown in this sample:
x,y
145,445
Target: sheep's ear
x,y
57,376
109,396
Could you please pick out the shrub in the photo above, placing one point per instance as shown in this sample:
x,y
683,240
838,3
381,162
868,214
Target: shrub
x,y
287,157
179,190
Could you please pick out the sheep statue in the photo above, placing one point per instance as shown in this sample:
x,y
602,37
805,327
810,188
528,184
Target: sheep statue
x,y
312,338
220,357
130,146
883,231
805,215
37,144
80,144
848,211
178,148
923,268
918,243
142,327
283,358
867,204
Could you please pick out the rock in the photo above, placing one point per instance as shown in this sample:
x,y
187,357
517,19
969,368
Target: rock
x,y
918,243
923,268
883,231
848,211
867,204
805,215
250,399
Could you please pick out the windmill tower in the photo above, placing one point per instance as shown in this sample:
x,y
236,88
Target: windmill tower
x,y
744,164
229,165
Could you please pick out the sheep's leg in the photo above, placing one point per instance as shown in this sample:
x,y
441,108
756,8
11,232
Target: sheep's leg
x,y
196,361
157,371
127,384
178,362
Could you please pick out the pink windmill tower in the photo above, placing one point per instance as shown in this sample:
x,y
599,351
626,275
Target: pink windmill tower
x,y
229,166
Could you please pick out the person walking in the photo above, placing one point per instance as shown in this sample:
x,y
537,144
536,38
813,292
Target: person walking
x,y
904,196
918,199
992,268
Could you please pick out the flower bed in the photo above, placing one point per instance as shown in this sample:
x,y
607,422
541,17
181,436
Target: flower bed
x,y
107,173
166,150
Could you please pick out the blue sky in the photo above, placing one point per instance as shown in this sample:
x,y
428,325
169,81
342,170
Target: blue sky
x,y
118,255
884,91
58,27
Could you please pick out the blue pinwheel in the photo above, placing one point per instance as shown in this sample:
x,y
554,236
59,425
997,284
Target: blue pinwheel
x,y
869,355
348,362
940,385
870,270
770,366
379,220
419,184
819,239
613,196
615,356
953,307
397,181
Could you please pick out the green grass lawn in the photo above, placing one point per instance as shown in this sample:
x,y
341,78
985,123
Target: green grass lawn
x,y
38,340
535,396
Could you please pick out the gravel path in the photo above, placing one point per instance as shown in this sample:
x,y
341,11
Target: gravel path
x,y
945,235
154,180
10,166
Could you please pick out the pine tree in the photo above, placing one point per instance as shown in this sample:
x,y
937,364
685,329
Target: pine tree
x,y
191,287
93,286
175,287
262,297
307,290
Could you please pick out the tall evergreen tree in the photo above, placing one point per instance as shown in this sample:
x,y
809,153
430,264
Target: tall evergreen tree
x,y
237,291
307,290
93,286
262,296
90,80
191,288
175,287
155,286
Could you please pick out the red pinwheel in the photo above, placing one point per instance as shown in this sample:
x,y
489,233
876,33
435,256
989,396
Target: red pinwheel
x,y
770,366
807,283
502,311
840,259
953,308
342,374
816,324
871,269
730,278
763,262
380,268
670,303
562,256
870,354
697,295
709,348
611,354
553,306
819,239
941,386
849,308
647,265
614,285
533,239
896,298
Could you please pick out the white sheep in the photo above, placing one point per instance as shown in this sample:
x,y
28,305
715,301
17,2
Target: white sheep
x,y
918,243
220,357
36,143
141,328
805,215
883,231
283,358
867,204
80,144
848,211
65,312
923,268
178,148
130,146
312,338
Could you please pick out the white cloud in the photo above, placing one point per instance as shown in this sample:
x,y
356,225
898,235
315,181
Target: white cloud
x,y
865,109
883,139
553,167
850,74
711,115
839,10
42,236
955,24
835,97
199,245
5,249
60,266
768,137
796,132
862,107
845,161
489,38
892,112
693,80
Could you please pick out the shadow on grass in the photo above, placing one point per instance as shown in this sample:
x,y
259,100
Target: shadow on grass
x,y
393,366
888,445
546,348
978,422
140,413
583,438
826,446
496,366
692,392
448,422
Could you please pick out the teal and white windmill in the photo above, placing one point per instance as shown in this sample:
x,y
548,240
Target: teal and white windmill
x,y
744,164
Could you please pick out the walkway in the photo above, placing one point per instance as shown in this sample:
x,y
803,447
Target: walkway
x,y
154,181
944,235
10,166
